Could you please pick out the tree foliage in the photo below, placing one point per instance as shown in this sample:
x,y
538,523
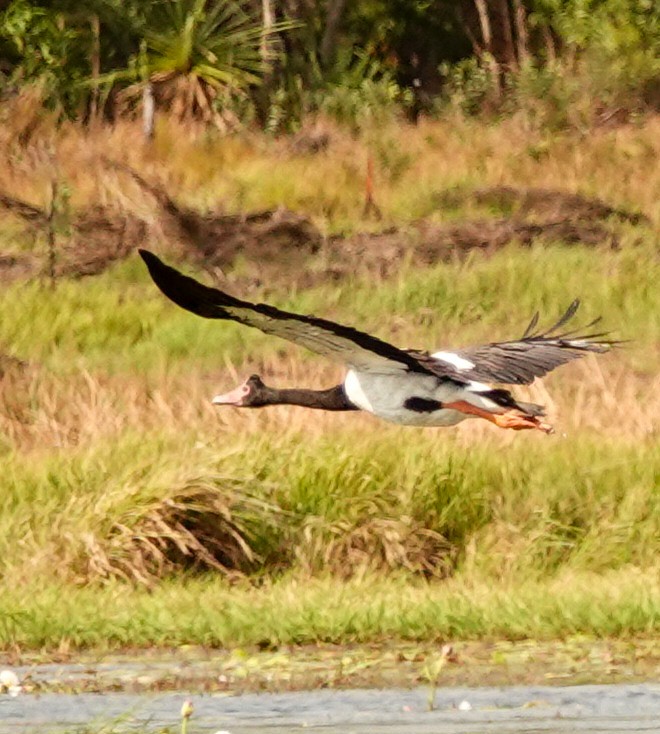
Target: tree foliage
x,y
205,57
197,54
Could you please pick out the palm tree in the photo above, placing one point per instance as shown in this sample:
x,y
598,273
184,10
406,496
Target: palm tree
x,y
195,51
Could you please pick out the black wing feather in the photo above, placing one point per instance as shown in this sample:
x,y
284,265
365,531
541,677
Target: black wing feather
x,y
514,362
536,353
532,325
333,340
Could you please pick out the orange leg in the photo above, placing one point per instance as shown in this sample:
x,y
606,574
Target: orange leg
x,y
510,419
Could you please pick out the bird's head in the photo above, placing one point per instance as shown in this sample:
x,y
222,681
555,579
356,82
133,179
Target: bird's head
x,y
250,394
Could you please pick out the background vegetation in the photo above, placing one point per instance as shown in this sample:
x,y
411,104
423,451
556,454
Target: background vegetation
x,y
131,511
566,62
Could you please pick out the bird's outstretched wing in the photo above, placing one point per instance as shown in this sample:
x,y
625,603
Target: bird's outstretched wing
x,y
533,355
335,341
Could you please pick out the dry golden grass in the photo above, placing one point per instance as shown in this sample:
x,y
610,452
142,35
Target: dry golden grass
x,y
117,466
412,165
41,411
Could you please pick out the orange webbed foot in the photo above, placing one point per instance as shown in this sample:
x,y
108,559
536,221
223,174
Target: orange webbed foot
x,y
519,422
513,419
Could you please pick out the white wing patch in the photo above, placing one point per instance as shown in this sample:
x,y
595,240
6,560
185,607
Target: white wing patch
x,y
478,386
454,360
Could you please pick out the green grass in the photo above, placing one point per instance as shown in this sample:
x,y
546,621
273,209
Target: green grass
x,y
300,611
119,321
541,540
112,456
132,513
529,508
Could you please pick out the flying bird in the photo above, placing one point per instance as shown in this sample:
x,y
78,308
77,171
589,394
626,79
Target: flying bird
x,y
404,386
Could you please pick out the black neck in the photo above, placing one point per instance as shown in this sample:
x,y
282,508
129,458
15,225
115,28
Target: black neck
x,y
333,398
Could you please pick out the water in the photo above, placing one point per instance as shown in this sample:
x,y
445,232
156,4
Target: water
x,y
506,710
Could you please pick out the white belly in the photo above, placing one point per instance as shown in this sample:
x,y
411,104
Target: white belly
x,y
385,395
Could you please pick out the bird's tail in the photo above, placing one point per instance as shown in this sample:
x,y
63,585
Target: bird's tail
x,y
531,409
505,399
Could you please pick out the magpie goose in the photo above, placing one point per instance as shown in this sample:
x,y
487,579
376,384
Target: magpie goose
x,y
404,386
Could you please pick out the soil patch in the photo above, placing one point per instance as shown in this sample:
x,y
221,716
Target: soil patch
x,y
281,245
549,203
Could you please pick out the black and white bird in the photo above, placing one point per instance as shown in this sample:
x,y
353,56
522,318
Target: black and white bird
x,y
402,386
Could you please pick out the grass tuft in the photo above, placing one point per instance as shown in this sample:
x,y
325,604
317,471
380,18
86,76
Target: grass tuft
x,y
207,524
134,513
